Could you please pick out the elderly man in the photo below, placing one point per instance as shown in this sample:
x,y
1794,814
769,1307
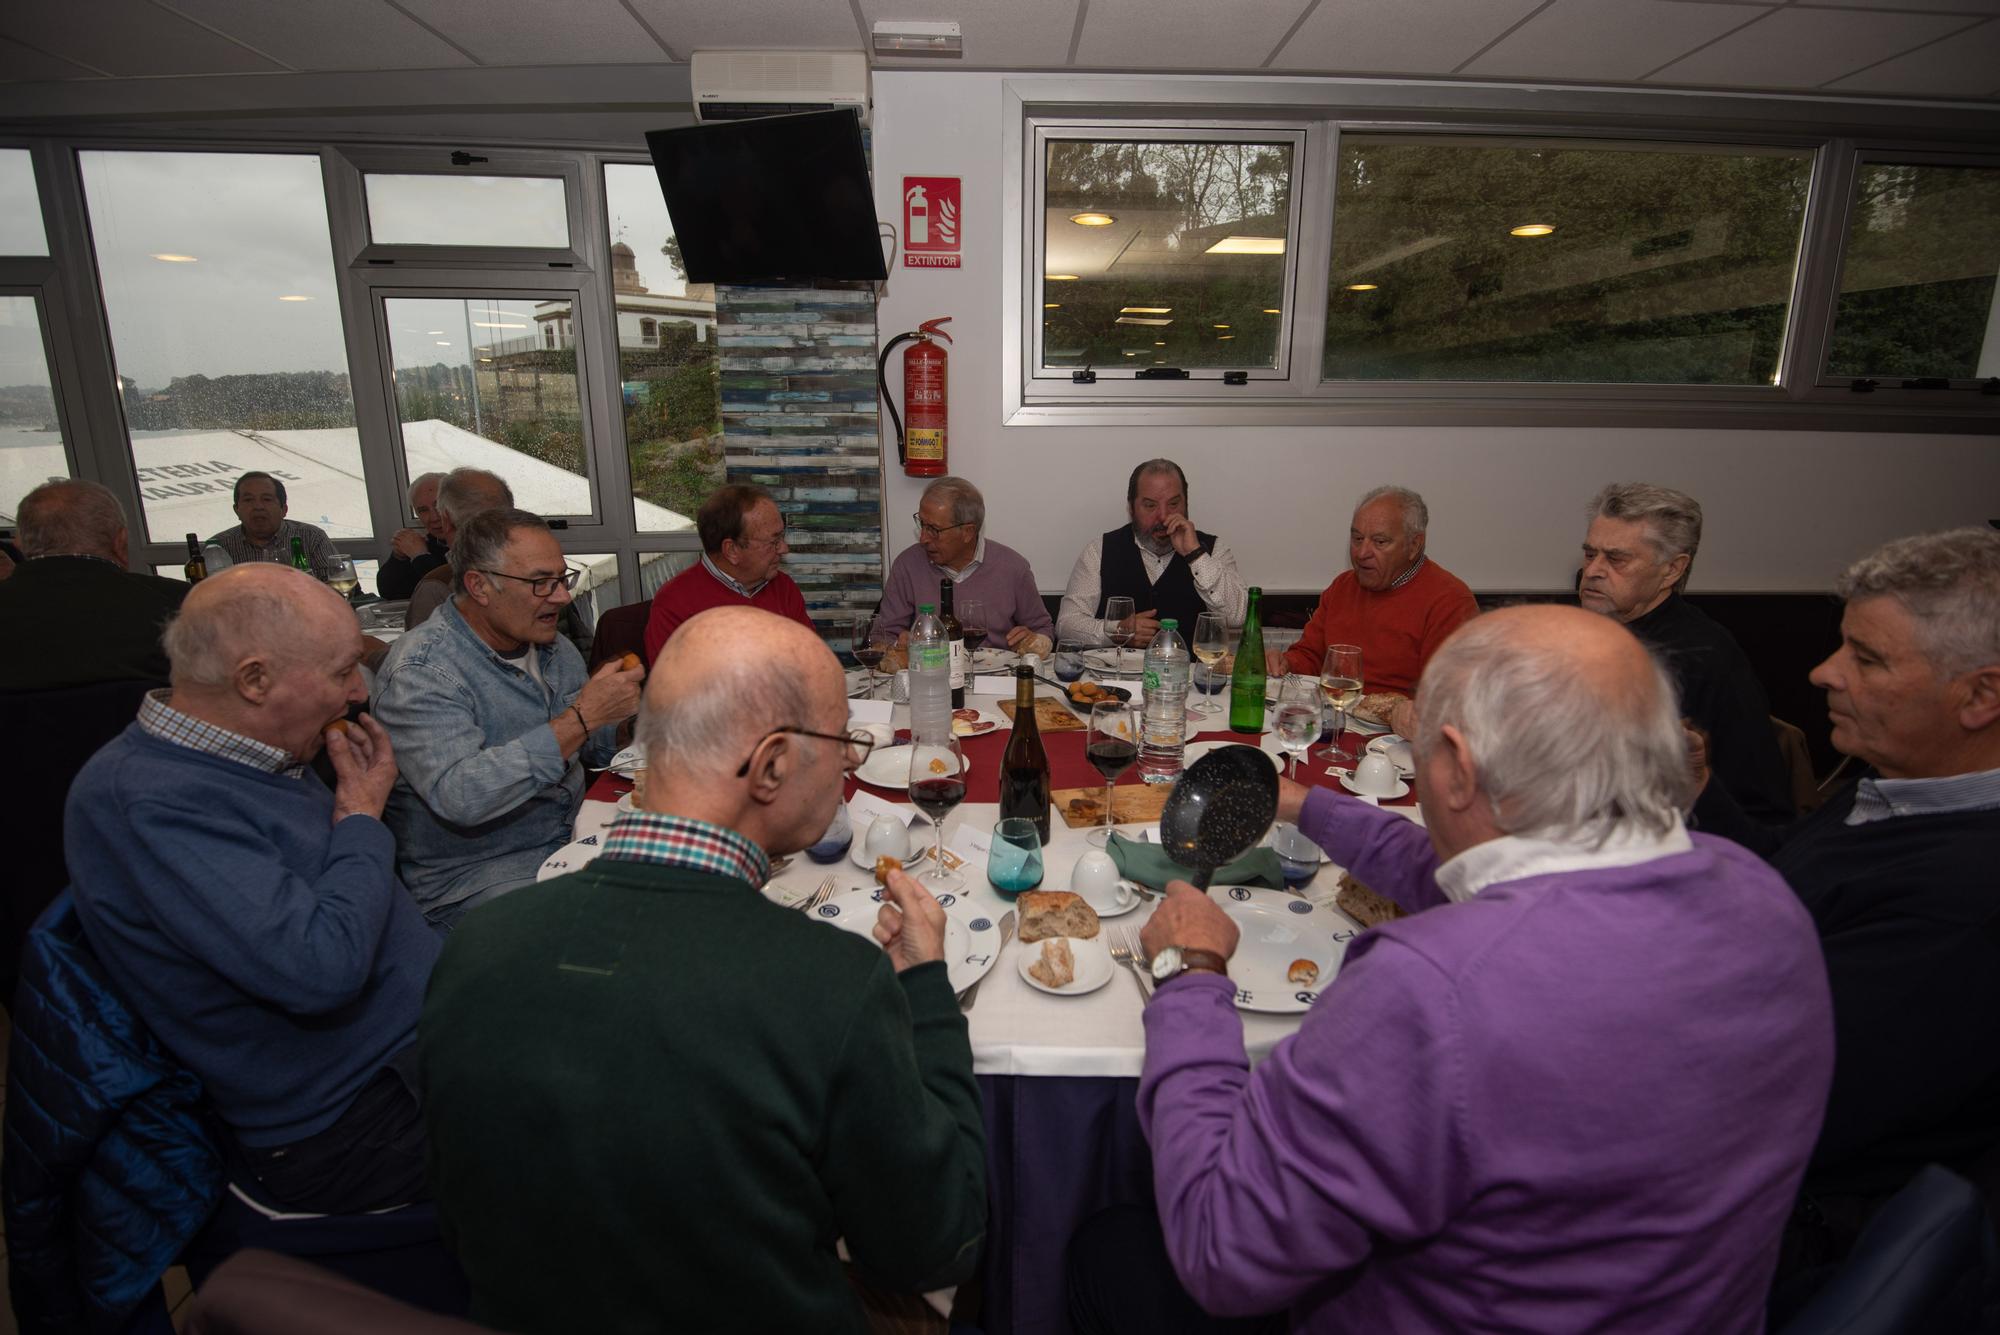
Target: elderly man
x,y
742,545
1168,568
262,532
1897,871
73,614
1636,557
952,545
415,552
462,493
253,917
1394,602
496,718
1574,1089
650,1080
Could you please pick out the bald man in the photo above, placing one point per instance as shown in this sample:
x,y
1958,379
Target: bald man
x,y
253,917
1573,1088
649,1079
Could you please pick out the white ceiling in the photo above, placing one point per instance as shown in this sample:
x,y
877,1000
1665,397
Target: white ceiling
x,y
1908,48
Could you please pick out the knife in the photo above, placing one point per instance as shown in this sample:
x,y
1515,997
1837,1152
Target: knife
x,y
1006,935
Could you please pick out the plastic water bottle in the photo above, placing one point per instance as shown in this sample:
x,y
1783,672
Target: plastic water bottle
x,y
1165,728
930,677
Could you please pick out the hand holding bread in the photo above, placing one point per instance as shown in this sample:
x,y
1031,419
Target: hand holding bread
x,y
910,926
364,767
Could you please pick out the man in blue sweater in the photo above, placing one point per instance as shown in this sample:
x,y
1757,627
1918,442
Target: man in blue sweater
x,y
252,916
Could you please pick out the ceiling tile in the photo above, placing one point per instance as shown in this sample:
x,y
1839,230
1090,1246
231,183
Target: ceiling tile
x,y
1184,34
1604,40
750,25
531,32
1023,34
1412,37
23,64
1804,48
1966,65
128,37
326,34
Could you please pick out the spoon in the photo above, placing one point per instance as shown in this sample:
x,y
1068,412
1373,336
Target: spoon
x,y
1219,808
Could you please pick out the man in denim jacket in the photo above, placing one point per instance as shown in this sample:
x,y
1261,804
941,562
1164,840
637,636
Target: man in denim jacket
x,y
493,717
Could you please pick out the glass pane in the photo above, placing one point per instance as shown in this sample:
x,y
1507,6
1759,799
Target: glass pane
x,y
467,210
656,568
1527,262
1164,254
666,357
20,207
1917,291
217,276
490,382
597,589
31,443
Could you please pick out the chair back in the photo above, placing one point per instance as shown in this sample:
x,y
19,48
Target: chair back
x,y
620,631
1806,795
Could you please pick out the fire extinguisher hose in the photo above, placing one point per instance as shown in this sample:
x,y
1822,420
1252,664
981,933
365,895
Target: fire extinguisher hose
x,y
888,399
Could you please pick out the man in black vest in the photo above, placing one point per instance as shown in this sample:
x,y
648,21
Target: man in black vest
x,y
1169,569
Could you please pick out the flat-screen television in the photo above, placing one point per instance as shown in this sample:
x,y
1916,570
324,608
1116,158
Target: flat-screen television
x,y
777,199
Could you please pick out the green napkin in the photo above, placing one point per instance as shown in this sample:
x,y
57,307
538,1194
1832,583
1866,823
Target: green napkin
x,y
1149,865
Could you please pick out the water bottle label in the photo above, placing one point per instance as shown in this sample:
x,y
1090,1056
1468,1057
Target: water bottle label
x,y
1152,680
930,657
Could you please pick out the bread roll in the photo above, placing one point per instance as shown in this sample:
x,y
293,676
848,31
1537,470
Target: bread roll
x,y
1375,707
1363,905
1046,913
1056,967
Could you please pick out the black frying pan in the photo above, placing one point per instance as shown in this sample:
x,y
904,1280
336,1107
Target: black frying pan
x,y
1219,808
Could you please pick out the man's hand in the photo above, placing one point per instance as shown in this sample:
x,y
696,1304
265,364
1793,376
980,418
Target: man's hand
x,y
1180,532
1697,745
611,696
1024,641
1276,664
364,767
409,543
911,923
1291,799
1145,625
1191,920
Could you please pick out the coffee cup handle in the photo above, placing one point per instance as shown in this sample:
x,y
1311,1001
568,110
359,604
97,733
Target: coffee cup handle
x,y
1126,895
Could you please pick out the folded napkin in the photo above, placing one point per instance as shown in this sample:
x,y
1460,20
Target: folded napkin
x,y
1149,865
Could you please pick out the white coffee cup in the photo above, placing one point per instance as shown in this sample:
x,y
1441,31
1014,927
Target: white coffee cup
x,y
1095,877
883,734
1375,775
887,838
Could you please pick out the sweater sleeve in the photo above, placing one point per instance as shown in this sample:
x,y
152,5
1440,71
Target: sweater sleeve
x,y
1387,852
905,1146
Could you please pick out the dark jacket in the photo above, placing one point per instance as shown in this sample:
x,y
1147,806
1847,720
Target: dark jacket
x,y
73,620
109,1169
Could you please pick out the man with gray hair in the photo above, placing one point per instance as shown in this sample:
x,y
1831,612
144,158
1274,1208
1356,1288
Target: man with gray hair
x,y
952,545
1394,602
653,1025
1571,1086
463,493
1898,872
496,717
415,552
72,614
1636,557
1167,567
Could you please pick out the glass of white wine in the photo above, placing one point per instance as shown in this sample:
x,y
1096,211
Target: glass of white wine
x,y
342,576
1209,645
1340,680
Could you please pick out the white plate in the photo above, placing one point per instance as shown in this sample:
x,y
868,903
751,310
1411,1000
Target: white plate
x,y
625,802
1093,966
1361,725
989,712
1398,752
1400,790
570,857
1277,928
889,767
1196,750
1111,909
971,938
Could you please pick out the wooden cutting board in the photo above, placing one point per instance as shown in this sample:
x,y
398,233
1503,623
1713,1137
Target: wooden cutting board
x,y
1132,804
1050,715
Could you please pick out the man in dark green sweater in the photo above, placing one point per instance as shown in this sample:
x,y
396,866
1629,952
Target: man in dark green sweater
x,y
657,1100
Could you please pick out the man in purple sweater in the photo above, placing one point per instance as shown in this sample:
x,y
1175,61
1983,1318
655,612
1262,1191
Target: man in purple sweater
x,y
1574,1090
952,545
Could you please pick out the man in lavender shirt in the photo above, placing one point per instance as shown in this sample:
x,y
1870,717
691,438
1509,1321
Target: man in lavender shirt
x,y
1574,1090
952,544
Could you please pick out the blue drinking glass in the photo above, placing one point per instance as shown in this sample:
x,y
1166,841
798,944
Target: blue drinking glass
x,y
1068,661
1014,861
1298,856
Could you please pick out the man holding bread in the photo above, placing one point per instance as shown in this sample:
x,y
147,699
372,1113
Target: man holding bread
x,y
651,1081
1574,1088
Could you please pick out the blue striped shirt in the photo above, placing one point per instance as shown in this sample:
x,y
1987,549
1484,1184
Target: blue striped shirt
x,y
1882,799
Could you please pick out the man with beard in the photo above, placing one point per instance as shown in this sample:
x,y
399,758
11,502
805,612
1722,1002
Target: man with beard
x,y
1168,568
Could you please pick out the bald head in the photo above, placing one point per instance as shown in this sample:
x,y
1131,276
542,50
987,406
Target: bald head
x,y
466,492
72,518
254,610
727,677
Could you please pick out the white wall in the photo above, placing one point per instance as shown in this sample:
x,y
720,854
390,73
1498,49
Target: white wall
x,y
1785,510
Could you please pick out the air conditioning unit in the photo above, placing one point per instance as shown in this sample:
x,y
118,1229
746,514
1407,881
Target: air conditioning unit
x,y
737,85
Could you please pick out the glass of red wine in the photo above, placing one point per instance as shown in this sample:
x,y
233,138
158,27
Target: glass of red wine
x,y
937,784
972,623
1113,748
869,646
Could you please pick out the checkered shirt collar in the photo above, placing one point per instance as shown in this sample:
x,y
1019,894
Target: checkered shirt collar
x,y
160,719
1409,574
730,582
678,841
1881,799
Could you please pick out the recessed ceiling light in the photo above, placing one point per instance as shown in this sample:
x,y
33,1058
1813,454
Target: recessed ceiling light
x,y
443,343
1144,310
1092,219
1160,343
1052,305
1059,277
176,259
1271,310
1248,245
1131,354
1141,319
1361,287
433,332
1224,338
294,297
1530,229
1222,326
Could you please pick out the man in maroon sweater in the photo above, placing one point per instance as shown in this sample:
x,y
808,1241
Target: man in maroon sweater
x,y
742,546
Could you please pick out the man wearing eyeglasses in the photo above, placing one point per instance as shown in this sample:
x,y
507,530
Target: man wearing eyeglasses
x,y
952,545
652,1081
743,545
494,717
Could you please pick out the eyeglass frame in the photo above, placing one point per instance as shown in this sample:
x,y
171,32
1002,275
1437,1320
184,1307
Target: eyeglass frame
x,y
567,579
860,737
932,531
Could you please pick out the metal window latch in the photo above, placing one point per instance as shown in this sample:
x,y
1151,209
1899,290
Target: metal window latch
x,y
1927,382
1083,377
1160,373
461,158
1863,385
1235,377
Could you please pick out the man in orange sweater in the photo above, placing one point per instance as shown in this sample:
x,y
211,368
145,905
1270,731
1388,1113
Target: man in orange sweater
x,y
1396,603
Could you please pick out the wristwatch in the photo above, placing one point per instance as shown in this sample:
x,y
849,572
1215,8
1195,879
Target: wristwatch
x,y
1173,961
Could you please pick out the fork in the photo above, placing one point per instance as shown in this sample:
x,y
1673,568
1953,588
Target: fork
x,y
1122,952
817,897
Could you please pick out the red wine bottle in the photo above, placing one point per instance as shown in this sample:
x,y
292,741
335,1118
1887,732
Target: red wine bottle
x,y
1024,770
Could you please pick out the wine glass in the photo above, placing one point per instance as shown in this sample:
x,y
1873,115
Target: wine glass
x,y
869,645
937,784
1208,644
342,576
972,624
1118,628
1113,748
1068,664
1340,679
1296,720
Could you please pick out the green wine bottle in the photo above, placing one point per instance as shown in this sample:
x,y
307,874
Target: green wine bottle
x,y
299,561
1246,679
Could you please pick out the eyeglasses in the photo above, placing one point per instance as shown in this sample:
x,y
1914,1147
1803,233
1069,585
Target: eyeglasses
x,y
540,585
859,744
932,530
774,540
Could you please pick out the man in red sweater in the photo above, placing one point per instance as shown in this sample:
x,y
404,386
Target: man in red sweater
x,y
1396,603
742,546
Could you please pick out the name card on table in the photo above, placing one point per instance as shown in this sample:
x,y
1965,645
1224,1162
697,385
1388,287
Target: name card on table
x,y
871,711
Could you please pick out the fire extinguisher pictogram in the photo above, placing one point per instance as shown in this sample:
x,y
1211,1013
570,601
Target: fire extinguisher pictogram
x,y
920,440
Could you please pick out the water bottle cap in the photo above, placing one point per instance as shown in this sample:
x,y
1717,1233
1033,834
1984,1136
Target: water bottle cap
x,y
927,607
1170,624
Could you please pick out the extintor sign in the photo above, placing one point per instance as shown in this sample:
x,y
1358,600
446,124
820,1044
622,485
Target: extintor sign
x,y
930,222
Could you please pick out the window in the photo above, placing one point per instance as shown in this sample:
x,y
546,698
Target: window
x,y
1917,291
217,279
31,440
413,210
20,207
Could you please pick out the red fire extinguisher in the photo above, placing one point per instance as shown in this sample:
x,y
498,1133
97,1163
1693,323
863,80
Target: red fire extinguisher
x,y
920,442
